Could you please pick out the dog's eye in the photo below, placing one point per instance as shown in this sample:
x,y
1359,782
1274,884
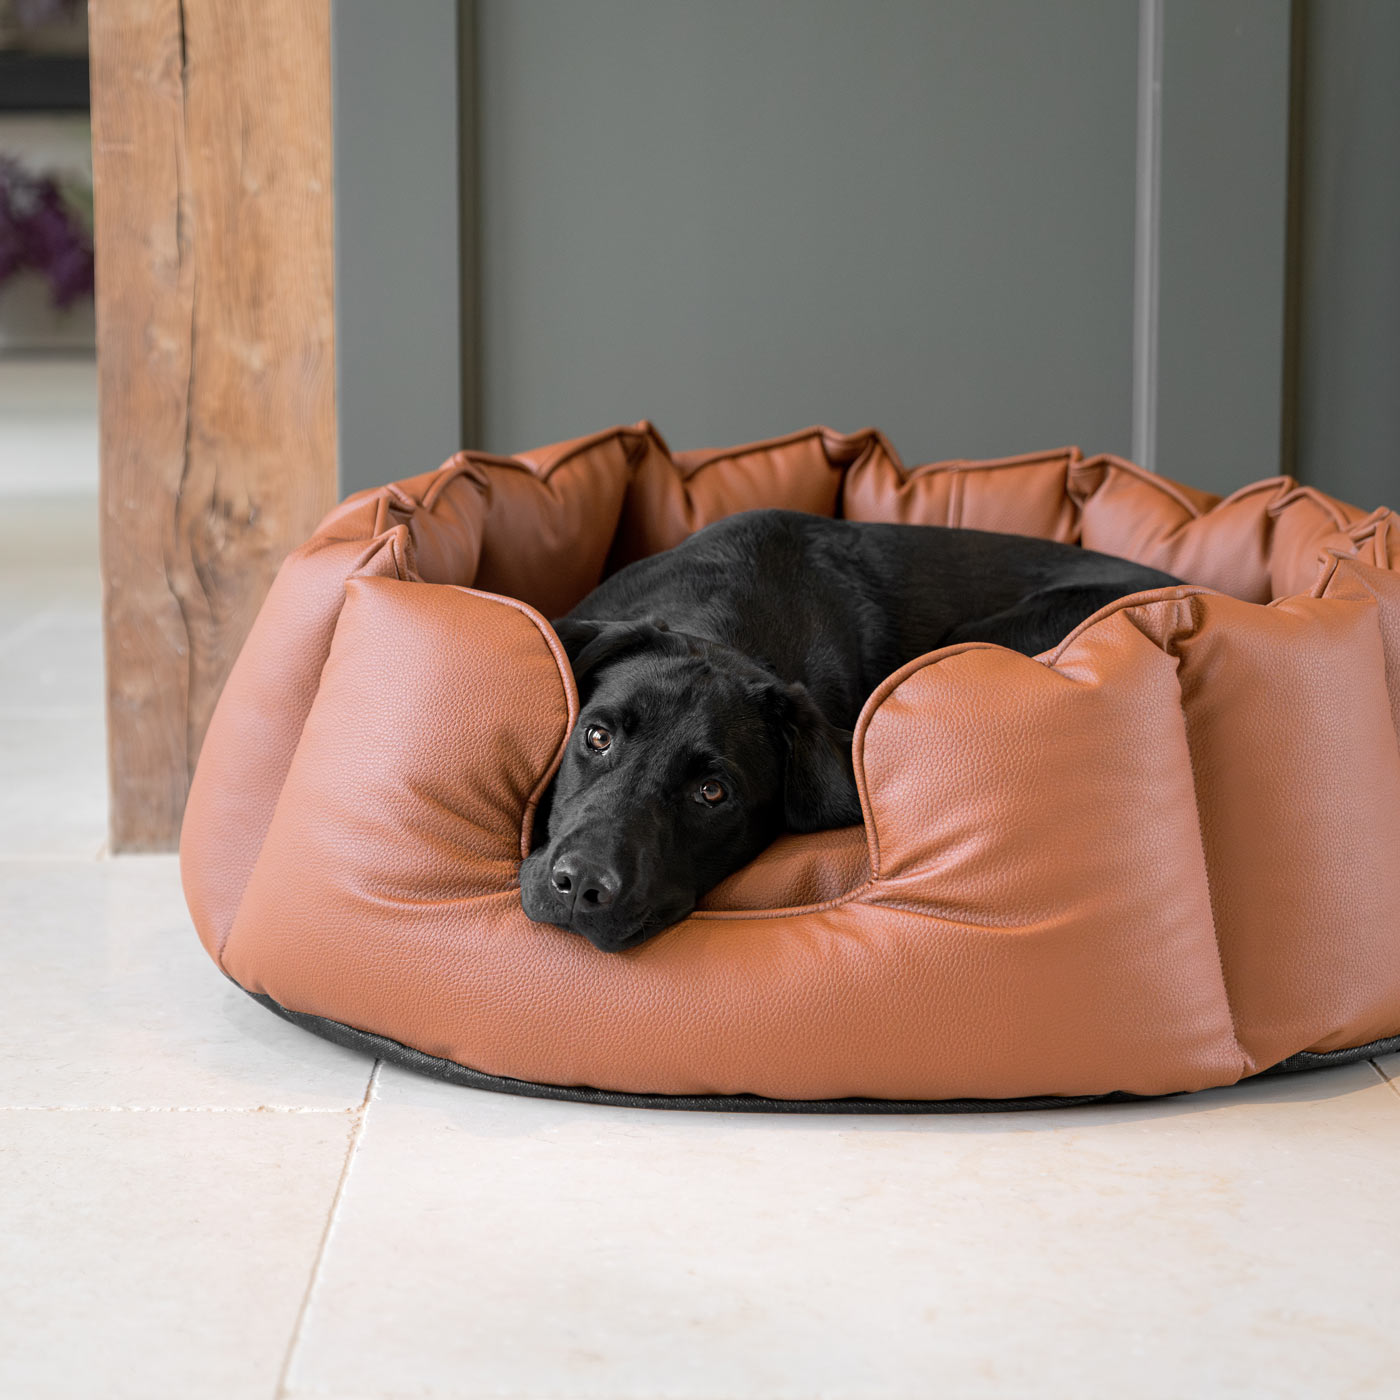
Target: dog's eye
x,y
597,738
713,792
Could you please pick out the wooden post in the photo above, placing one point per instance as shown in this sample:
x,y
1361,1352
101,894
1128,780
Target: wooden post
x,y
215,337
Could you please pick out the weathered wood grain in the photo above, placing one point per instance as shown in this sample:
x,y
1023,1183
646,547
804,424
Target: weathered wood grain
x,y
212,174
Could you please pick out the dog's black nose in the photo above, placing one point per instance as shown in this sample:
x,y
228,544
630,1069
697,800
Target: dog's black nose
x,y
584,888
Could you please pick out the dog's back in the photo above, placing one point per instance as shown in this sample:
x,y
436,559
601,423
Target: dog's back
x,y
837,605
719,682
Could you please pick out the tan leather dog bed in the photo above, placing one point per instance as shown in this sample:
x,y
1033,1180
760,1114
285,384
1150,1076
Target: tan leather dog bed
x,y
1164,856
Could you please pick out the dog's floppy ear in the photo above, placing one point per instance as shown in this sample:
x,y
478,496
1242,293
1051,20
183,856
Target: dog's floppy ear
x,y
588,643
576,633
819,784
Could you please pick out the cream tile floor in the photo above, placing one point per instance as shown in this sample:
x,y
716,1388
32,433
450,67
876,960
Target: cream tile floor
x,y
199,1200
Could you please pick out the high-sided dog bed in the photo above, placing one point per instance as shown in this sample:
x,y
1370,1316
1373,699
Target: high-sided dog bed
x,y
1163,856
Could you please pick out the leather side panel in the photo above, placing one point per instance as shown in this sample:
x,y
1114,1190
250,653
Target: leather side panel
x,y
1042,820
453,1073
258,721
1042,920
1298,784
440,714
1349,578
1264,540
385,898
546,538
1015,495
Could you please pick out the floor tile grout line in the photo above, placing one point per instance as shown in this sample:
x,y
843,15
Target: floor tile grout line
x,y
99,852
357,1133
345,1110
93,711
1385,1078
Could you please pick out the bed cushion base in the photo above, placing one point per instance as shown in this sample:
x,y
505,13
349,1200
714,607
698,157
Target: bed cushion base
x,y
392,1052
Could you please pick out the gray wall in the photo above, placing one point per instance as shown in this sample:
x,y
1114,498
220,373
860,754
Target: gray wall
x,y
1167,229
1348,373
398,244
738,219
1223,227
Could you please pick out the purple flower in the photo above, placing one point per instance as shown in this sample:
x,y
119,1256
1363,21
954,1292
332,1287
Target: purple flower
x,y
40,14
39,231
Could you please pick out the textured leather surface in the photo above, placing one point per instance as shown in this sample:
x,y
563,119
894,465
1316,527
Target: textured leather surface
x,y
1162,857
796,871
381,1048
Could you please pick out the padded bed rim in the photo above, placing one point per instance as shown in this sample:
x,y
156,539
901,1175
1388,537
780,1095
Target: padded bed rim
x,y
381,1047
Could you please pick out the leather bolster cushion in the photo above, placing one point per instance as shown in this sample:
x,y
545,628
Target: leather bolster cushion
x,y
1163,856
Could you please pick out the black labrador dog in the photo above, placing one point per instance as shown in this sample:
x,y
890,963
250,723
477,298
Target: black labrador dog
x,y
719,683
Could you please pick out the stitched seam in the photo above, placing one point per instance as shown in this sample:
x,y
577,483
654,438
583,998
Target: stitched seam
x,y
961,465
464,460
1161,484
1285,491
858,466
904,908
620,434
1171,593
1288,491
728,454
461,465
787,910
1325,581
566,677
1246,1059
453,902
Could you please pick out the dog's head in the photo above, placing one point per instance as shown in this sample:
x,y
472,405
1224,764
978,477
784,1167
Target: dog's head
x,y
688,758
